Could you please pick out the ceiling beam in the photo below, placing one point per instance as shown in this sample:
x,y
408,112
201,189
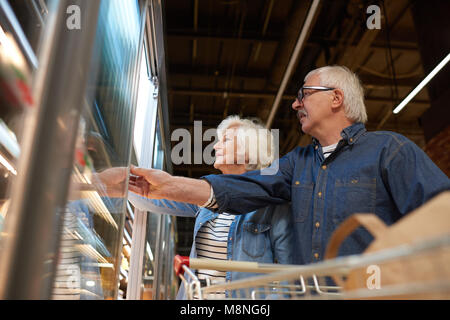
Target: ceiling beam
x,y
261,95
275,39
369,81
245,38
402,45
364,46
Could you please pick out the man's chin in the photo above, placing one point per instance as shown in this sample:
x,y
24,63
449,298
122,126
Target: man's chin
x,y
304,127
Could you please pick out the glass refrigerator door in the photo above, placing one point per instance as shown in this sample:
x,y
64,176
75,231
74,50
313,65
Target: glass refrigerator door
x,y
17,61
92,238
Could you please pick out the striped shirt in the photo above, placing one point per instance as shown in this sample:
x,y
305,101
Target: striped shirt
x,y
328,150
211,243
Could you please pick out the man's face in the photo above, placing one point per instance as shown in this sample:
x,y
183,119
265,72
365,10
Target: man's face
x,y
314,107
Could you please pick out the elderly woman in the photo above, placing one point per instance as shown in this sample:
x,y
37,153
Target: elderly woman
x,y
263,235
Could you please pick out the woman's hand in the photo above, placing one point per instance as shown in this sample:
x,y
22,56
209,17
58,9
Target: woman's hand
x,y
111,182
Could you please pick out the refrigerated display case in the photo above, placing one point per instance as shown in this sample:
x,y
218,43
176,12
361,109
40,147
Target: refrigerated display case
x,y
50,94
157,279
15,98
68,110
94,220
154,236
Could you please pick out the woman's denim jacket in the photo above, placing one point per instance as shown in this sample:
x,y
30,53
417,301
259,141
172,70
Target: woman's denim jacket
x,y
263,236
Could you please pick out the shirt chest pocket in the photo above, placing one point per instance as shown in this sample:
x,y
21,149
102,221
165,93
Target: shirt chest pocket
x,y
353,195
255,238
302,193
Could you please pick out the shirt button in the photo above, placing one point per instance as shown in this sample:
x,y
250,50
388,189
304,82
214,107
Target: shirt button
x,y
351,139
319,194
296,182
316,255
317,224
324,167
316,147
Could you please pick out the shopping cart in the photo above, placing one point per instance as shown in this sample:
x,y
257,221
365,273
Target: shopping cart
x,y
318,280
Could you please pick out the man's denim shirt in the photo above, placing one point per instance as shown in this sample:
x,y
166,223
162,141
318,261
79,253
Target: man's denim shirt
x,y
263,236
369,172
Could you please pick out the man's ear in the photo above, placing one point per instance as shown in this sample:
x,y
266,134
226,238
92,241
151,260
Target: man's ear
x,y
338,98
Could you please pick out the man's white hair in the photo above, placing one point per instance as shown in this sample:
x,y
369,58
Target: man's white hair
x,y
257,139
341,77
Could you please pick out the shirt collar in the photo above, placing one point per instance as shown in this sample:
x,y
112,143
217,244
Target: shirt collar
x,y
349,134
353,132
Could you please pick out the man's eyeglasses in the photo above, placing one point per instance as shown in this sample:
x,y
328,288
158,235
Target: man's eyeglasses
x,y
301,94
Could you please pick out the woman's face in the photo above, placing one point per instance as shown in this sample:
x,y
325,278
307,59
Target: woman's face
x,y
228,159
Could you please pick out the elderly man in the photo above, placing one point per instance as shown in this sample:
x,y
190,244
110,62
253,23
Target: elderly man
x,y
345,170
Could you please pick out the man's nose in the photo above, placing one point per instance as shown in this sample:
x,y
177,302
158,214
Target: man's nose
x,y
296,105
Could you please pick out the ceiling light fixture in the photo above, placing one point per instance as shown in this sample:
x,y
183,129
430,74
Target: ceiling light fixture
x,y
422,84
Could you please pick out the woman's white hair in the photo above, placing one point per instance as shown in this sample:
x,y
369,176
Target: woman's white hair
x,y
258,140
342,78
